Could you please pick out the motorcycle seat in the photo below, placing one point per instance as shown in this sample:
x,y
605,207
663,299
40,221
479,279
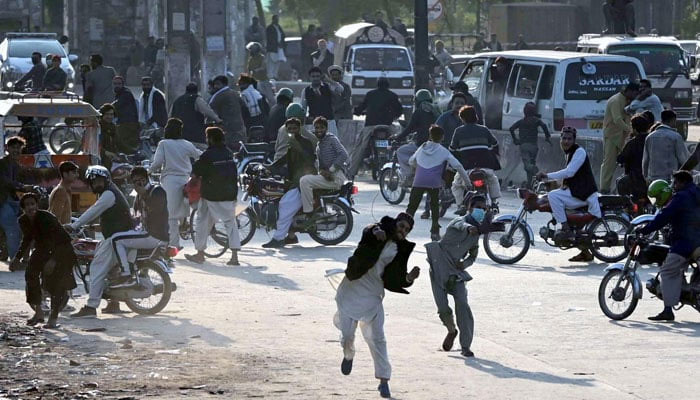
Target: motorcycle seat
x,y
610,201
578,218
696,254
326,192
260,147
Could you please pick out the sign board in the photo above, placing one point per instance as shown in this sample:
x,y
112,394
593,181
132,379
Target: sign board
x,y
215,43
436,10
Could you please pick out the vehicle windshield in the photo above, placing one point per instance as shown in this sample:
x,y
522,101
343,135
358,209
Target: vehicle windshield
x,y
25,48
600,81
381,59
657,59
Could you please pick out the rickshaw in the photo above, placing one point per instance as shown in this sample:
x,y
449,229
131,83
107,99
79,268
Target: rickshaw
x,y
42,169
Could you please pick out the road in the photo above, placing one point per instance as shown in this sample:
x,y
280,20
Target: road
x,y
264,329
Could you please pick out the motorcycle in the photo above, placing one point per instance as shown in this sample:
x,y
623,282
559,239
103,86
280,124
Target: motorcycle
x,y
153,288
329,224
252,154
621,287
479,182
603,236
379,151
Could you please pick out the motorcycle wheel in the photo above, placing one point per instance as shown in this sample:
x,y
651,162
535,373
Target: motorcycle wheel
x,y
217,241
60,135
616,301
598,229
390,186
246,226
161,293
507,250
331,238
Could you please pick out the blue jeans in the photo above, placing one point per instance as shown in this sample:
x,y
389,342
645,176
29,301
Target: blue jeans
x,y
8,221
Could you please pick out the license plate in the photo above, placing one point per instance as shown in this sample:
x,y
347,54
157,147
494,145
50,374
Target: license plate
x,y
598,124
381,143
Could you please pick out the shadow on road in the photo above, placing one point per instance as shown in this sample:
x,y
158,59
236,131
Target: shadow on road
x,y
501,371
691,329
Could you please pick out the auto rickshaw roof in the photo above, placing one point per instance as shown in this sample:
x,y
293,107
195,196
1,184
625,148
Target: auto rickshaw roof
x,y
47,108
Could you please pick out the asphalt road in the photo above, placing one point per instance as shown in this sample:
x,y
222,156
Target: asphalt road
x,y
539,331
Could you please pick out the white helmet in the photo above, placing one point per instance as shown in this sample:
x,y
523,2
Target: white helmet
x,y
94,171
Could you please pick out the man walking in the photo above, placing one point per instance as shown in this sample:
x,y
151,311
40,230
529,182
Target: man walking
x,y
379,262
126,117
342,103
226,103
255,32
100,89
217,169
153,112
616,128
664,150
275,47
9,186
191,109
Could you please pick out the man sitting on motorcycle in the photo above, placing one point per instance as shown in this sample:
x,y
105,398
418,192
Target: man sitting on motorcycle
x,y
683,213
331,157
300,160
475,147
151,207
579,188
113,211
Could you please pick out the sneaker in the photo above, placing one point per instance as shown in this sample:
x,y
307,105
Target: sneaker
x,y
384,390
113,308
85,312
292,240
449,340
346,366
273,244
663,316
467,353
425,215
584,256
195,258
122,282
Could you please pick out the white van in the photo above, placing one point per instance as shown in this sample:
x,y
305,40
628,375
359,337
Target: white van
x,y
368,52
568,88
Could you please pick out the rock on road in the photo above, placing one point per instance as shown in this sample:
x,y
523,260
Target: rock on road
x,y
264,329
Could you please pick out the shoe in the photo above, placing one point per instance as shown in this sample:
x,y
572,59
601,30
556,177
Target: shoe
x,y
272,244
467,353
122,282
35,320
435,236
292,240
425,215
449,340
562,235
384,390
584,256
346,366
195,258
51,324
233,261
663,316
85,312
113,308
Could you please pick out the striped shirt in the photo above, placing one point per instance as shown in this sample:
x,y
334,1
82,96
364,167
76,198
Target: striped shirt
x,y
330,152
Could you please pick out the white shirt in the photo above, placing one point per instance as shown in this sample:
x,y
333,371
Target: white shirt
x,y
576,162
361,299
105,201
173,157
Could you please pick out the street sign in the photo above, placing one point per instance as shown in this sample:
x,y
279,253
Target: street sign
x,y
435,10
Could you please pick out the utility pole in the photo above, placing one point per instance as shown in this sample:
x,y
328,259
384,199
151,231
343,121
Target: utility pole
x,y
215,43
421,42
177,58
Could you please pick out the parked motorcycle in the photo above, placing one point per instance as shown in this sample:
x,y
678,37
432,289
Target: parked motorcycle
x,y
330,223
153,288
251,154
604,237
621,287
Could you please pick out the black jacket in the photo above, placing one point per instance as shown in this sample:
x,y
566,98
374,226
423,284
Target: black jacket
x,y
475,147
275,121
420,123
125,108
153,209
217,168
55,79
582,184
319,105
382,107
368,252
36,75
9,185
192,120
271,38
327,61
160,110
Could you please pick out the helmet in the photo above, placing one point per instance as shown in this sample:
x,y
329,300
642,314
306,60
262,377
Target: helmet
x,y
423,95
253,47
285,92
94,171
659,192
295,110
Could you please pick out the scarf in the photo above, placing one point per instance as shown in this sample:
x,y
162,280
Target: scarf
x,y
146,110
251,97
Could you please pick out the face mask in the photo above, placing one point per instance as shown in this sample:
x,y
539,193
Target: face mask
x,y
478,214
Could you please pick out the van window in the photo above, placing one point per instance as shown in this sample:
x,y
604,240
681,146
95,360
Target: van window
x,y
472,77
523,81
381,59
608,78
547,83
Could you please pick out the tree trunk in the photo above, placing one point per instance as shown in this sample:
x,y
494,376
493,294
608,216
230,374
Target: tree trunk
x,y
389,14
260,12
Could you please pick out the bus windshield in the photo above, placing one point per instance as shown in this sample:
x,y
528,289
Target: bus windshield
x,y
381,59
657,59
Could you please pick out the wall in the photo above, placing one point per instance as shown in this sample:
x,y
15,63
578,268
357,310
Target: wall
x,y
22,15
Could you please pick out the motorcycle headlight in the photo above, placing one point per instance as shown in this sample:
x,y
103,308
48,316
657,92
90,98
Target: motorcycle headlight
x,y
71,85
407,82
683,94
9,85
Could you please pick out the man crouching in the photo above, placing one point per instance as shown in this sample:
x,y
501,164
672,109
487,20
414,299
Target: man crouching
x,y
378,263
